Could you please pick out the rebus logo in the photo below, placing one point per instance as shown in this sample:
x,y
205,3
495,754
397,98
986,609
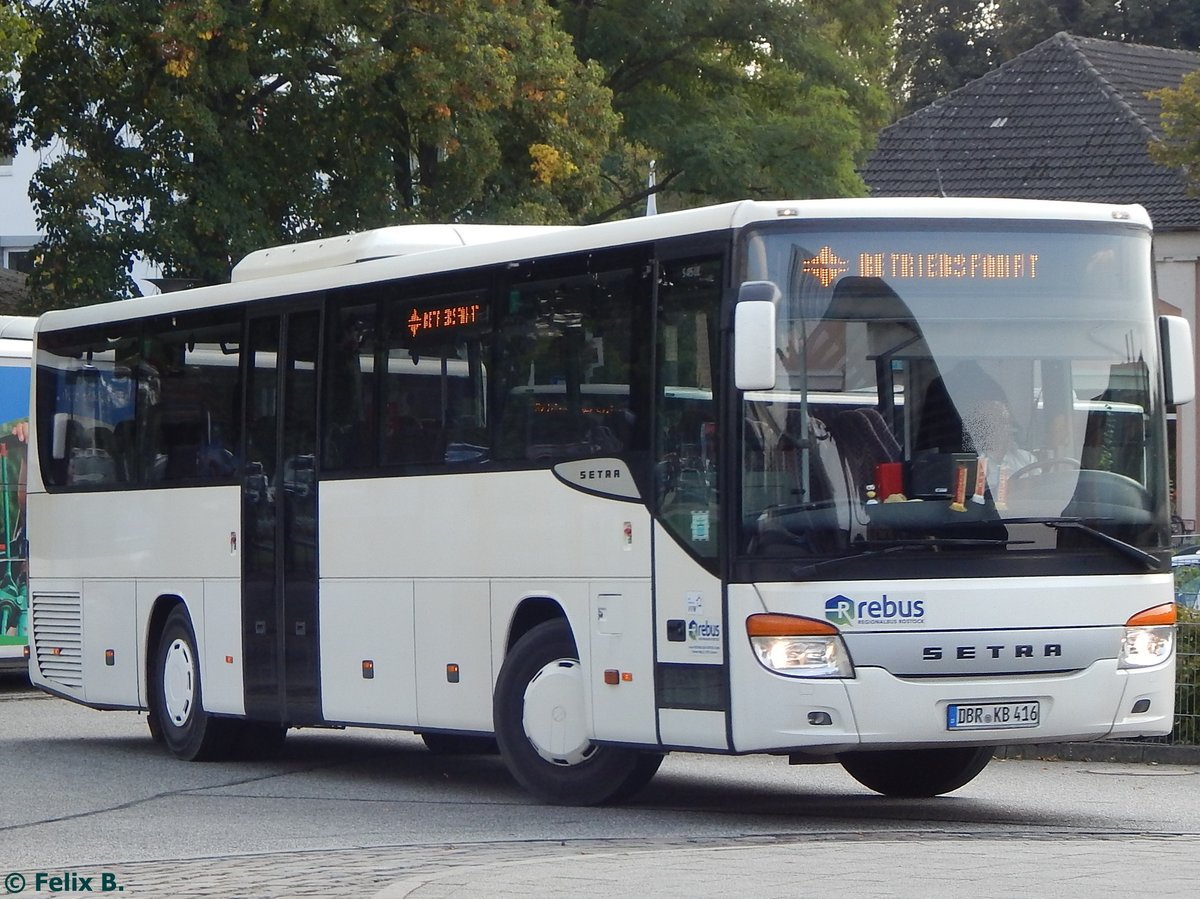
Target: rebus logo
x,y
839,610
845,612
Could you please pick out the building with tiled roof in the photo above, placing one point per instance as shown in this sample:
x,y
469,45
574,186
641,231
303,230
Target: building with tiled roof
x,y
1069,119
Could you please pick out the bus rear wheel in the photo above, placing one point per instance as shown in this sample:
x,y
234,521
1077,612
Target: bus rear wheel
x,y
915,773
177,699
542,729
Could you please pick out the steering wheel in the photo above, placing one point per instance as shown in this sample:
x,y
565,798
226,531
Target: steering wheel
x,y
1044,466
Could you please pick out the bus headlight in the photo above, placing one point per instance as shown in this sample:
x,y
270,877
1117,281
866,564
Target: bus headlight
x,y
800,647
1149,637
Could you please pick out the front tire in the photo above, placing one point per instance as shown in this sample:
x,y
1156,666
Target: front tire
x,y
177,701
543,732
917,773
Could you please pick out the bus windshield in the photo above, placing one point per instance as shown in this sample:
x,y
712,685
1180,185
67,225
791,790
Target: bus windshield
x,y
983,386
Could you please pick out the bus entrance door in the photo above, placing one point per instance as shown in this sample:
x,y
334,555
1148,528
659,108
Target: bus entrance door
x,y
280,628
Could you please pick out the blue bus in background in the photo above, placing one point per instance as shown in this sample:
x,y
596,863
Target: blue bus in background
x,y
16,342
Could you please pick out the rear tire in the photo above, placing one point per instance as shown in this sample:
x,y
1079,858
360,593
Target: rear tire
x,y
177,697
543,732
916,773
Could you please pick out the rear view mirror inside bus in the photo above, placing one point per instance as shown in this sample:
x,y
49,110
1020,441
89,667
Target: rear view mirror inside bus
x,y
754,336
58,446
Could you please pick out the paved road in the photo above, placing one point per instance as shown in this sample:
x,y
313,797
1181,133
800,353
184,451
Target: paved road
x,y
372,814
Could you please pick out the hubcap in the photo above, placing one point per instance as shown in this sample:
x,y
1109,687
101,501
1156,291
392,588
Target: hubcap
x,y
179,682
554,718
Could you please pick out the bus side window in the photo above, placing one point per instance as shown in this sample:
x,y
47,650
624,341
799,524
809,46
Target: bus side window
x,y
351,434
686,463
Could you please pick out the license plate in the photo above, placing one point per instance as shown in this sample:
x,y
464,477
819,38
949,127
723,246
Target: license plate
x,y
992,715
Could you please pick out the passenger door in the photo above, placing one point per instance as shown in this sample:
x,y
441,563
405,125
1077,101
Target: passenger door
x,y
281,630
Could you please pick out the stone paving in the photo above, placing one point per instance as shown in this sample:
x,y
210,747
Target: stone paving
x,y
852,864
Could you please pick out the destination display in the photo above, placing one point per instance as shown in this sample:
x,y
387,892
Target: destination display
x,y
827,265
442,318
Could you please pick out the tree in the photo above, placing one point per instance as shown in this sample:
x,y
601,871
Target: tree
x,y
16,38
194,132
940,46
1157,23
943,44
736,98
1180,147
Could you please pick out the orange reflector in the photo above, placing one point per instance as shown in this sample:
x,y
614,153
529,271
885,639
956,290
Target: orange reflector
x,y
228,660
1164,614
776,625
368,669
612,676
627,676
110,657
56,651
452,674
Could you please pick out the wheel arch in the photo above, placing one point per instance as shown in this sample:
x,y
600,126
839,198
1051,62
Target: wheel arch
x,y
529,613
161,608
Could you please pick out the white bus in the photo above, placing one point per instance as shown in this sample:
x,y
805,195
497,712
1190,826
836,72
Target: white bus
x,y
717,481
16,343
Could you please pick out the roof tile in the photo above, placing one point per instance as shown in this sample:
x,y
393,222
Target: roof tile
x,y
1068,119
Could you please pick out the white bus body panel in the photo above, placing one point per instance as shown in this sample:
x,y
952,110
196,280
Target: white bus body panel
x,y
221,647
367,619
685,592
451,592
110,623
114,575
453,627
877,708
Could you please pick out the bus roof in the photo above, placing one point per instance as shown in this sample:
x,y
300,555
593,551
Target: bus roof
x,y
17,327
400,252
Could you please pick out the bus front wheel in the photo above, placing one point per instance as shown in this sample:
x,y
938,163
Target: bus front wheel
x,y
542,728
177,703
915,773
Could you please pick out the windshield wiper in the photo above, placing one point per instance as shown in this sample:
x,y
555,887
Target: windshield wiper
x,y
1076,524
891,546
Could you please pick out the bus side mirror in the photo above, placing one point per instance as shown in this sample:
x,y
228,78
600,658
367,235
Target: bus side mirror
x,y
1179,367
754,336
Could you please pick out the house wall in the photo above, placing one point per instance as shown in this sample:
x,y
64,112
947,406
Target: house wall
x,y
18,225
1177,267
18,222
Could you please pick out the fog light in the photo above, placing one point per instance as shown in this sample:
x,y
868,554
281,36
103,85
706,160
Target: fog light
x,y
820,719
1142,705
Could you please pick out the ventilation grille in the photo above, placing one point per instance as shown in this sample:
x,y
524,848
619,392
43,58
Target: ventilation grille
x,y
58,635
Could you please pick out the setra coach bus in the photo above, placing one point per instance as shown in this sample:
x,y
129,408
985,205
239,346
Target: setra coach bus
x,y
874,482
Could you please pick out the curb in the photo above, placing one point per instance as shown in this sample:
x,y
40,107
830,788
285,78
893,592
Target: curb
x,y
1133,753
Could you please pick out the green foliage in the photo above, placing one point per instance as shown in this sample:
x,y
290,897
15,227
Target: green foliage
x,y
943,44
1180,147
737,98
1187,654
195,132
1157,23
16,38
940,46
1187,678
